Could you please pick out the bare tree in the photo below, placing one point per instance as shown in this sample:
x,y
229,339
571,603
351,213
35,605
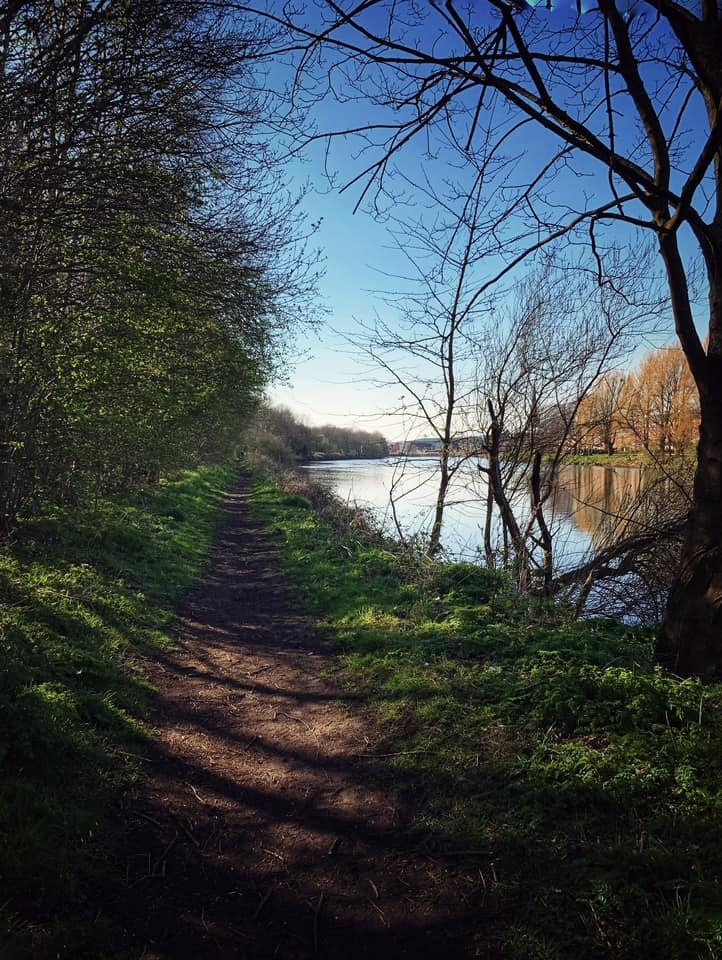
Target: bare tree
x,y
599,415
429,347
498,77
539,366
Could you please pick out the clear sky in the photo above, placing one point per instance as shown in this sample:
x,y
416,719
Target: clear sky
x,y
330,382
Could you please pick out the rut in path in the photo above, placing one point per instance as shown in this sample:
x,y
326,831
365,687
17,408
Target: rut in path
x,y
260,830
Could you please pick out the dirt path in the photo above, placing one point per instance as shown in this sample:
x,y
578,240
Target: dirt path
x,y
258,831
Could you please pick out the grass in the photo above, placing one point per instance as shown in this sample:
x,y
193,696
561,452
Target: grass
x,y
624,458
627,458
82,592
587,781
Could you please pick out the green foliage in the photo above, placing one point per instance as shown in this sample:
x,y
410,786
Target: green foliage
x,y
275,437
150,255
81,592
608,459
588,780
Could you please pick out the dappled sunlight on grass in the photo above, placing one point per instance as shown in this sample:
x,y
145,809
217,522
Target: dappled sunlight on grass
x,y
82,591
584,782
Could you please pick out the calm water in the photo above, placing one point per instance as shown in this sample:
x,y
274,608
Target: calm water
x,y
584,503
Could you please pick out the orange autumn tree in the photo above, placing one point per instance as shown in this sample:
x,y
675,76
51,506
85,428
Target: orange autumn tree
x,y
660,403
599,413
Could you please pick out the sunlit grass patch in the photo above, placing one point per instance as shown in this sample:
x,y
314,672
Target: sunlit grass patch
x,y
587,782
82,591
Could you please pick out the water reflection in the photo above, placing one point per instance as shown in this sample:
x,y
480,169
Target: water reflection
x,y
598,498
586,507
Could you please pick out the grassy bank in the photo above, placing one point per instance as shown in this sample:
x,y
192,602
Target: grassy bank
x,y
81,592
639,458
626,459
581,783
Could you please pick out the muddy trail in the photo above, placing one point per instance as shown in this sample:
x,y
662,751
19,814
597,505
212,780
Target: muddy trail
x,y
261,828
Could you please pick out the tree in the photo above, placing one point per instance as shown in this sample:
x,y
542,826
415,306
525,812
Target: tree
x,y
276,435
539,369
660,403
429,349
599,414
608,96
147,253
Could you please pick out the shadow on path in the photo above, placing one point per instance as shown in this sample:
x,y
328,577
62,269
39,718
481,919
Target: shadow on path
x,y
260,830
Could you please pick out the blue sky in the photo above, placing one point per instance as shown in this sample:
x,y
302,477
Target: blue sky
x,y
329,383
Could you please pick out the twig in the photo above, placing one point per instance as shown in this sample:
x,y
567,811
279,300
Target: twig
x,y
161,858
274,854
190,836
197,795
334,847
193,699
383,756
599,926
264,900
150,819
254,673
463,853
380,912
135,756
281,713
316,913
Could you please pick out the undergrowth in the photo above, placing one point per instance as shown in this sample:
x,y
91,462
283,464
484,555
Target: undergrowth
x,y
82,591
583,782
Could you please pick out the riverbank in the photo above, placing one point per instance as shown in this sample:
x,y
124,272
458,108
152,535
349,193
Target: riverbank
x,y
625,458
582,782
390,755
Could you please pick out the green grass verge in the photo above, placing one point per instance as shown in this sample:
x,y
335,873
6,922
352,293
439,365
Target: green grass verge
x,y
639,458
81,591
587,782
625,459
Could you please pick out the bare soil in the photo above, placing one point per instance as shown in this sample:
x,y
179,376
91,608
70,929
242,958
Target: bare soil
x,y
262,828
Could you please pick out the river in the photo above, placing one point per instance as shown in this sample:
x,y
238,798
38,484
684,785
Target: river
x,y
584,504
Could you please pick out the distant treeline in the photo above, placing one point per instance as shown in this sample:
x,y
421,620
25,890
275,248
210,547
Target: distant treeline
x,y
276,435
655,407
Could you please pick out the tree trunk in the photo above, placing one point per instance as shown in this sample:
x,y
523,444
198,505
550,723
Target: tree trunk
x,y
512,531
488,549
690,642
545,535
444,480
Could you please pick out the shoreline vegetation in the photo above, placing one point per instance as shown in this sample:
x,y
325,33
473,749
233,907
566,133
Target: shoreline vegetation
x,y
580,782
630,458
622,459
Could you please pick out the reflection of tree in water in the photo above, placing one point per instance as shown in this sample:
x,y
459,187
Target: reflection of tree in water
x,y
598,498
633,516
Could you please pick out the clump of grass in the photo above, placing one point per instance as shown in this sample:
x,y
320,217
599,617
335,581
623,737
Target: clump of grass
x,y
82,591
588,780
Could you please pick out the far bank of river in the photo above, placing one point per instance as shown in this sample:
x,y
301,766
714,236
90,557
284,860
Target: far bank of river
x,y
584,505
